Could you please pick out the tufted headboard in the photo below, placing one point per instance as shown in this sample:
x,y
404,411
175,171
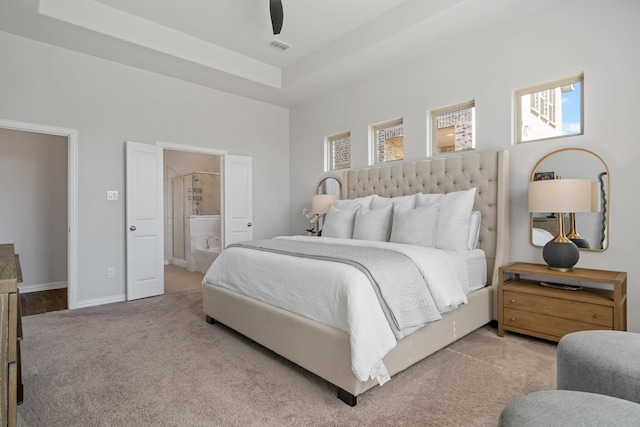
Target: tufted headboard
x,y
487,171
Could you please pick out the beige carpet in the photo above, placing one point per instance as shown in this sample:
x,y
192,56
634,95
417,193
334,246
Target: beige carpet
x,y
156,362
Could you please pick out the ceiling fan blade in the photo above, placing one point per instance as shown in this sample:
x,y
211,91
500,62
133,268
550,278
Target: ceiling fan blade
x,y
277,15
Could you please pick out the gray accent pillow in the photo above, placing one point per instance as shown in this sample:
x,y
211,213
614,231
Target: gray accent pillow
x,y
373,224
339,223
414,226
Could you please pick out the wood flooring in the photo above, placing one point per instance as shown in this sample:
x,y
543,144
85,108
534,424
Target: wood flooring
x,y
43,301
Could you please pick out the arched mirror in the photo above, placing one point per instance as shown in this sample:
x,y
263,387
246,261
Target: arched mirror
x,y
330,185
328,191
591,229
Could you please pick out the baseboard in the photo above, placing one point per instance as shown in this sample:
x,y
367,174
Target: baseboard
x,y
179,262
38,287
101,301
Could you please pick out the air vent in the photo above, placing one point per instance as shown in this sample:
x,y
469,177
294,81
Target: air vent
x,y
280,45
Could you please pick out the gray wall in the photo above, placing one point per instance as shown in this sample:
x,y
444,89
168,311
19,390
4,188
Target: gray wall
x,y
108,104
591,36
33,195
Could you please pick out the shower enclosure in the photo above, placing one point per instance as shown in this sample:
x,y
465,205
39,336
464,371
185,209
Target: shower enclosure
x,y
196,223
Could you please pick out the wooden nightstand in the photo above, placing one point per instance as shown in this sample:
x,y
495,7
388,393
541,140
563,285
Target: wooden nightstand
x,y
526,307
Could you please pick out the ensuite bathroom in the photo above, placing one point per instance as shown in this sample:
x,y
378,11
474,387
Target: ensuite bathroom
x,y
193,221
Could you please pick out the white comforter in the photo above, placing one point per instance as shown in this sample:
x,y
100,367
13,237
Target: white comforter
x,y
348,300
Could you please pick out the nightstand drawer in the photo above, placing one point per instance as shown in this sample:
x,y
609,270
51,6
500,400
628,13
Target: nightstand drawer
x,y
550,325
601,315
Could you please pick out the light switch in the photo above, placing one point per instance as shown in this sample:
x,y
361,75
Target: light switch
x,y
112,195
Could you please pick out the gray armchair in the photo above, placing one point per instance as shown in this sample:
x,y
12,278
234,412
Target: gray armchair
x,y
598,385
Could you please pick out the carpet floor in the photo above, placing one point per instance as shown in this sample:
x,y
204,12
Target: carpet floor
x,y
156,362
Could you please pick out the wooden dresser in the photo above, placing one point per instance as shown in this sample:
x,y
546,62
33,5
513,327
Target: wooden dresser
x,y
9,324
526,307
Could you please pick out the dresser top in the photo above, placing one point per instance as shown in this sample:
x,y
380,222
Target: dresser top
x,y
8,268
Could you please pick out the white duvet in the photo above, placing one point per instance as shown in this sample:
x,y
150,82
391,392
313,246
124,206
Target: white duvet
x,y
348,301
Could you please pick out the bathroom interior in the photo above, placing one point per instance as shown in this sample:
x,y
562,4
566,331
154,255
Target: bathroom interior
x,y
193,222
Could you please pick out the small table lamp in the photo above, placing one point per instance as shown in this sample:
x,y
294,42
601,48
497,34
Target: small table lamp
x,y
320,204
560,196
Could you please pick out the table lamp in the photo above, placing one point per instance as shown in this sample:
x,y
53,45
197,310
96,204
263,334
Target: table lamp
x,y
560,196
320,204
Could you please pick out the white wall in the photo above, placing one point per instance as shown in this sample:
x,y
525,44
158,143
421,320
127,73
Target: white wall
x,y
590,36
33,194
108,104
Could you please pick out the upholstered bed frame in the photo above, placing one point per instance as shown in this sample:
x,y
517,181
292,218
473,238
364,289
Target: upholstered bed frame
x,y
325,350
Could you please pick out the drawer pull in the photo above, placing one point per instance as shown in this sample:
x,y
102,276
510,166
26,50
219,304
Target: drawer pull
x,y
513,319
596,315
514,300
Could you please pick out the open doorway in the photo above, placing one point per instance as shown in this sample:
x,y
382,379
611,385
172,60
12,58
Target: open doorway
x,y
193,221
40,167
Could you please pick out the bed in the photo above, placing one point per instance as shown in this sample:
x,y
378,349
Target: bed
x,y
327,350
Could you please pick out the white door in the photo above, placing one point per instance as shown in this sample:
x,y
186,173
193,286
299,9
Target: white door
x,y
238,206
145,261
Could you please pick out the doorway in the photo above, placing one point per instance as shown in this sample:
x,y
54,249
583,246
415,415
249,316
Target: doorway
x,y
63,269
192,188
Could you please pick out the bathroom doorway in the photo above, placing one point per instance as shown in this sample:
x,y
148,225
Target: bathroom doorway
x,y
193,210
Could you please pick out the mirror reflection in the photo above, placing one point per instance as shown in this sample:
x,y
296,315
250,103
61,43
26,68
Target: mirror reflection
x,y
330,185
589,230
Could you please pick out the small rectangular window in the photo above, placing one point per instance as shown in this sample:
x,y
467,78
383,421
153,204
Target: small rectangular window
x,y
338,151
453,128
387,142
550,110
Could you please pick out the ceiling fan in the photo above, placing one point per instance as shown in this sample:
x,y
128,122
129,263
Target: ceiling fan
x,y
277,15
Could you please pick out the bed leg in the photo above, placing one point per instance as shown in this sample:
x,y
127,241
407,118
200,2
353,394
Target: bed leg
x,y
347,397
211,320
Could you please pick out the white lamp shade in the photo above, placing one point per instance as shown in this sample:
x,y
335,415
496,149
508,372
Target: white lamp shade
x,y
560,195
320,203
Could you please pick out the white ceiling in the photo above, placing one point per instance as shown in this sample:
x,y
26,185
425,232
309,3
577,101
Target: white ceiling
x,y
223,44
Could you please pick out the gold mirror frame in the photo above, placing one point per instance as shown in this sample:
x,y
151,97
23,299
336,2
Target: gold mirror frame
x,y
323,182
603,180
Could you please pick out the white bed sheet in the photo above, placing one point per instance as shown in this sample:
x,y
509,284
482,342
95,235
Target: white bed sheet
x,y
296,284
471,269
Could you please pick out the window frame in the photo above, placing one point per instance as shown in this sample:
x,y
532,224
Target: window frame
x,y
328,151
433,146
373,140
533,90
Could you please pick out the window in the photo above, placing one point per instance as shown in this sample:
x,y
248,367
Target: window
x,y
552,110
338,151
387,142
453,128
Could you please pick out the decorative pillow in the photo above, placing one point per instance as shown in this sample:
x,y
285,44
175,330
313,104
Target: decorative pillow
x,y
474,230
406,201
452,228
427,199
414,226
338,223
354,204
373,224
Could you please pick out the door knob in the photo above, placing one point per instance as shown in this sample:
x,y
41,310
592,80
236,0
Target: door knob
x,y
132,228
249,224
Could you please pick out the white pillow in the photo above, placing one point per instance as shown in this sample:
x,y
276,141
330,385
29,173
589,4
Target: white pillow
x,y
474,230
407,201
338,223
373,224
427,199
414,226
354,204
452,228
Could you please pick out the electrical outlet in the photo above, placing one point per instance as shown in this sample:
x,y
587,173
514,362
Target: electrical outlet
x,y
111,272
112,195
